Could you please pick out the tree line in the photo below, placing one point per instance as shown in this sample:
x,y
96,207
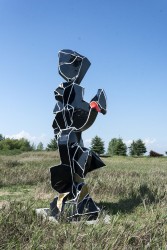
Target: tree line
x,y
116,146
23,145
17,145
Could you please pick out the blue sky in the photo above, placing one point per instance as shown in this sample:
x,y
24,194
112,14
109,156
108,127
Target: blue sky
x,y
126,42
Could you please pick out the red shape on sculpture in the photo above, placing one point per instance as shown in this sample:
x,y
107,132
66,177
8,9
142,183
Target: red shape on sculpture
x,y
94,105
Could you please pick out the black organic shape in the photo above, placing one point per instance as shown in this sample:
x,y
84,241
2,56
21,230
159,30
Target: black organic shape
x,y
155,154
72,116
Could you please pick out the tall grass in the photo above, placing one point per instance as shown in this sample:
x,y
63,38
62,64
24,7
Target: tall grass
x,y
133,191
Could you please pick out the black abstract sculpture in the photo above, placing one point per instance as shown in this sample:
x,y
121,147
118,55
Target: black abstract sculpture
x,y
72,116
155,154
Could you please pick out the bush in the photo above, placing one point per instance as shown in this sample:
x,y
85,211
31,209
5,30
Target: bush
x,y
8,144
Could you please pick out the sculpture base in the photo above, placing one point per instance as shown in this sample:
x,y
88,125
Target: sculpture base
x,y
45,213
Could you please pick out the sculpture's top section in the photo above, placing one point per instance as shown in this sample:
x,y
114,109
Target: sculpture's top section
x,y
72,66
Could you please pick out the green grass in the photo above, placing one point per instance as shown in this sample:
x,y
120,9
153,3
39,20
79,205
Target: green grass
x,y
133,191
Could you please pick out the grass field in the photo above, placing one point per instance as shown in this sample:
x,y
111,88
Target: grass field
x,y
133,191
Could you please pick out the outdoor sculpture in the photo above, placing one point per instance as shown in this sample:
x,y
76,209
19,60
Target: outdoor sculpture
x,y
72,116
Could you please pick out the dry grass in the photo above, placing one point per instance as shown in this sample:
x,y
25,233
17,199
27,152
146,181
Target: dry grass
x,y
133,191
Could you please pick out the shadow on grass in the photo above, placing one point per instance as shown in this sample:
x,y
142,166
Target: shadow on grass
x,y
127,205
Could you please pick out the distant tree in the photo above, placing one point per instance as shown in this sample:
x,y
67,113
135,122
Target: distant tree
x,y
117,147
137,148
40,146
33,146
166,152
97,145
25,145
2,137
52,145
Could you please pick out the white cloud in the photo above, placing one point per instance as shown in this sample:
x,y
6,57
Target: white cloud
x,y
22,134
33,139
128,142
149,141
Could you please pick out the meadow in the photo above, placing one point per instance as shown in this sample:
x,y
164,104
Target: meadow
x,y
132,191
